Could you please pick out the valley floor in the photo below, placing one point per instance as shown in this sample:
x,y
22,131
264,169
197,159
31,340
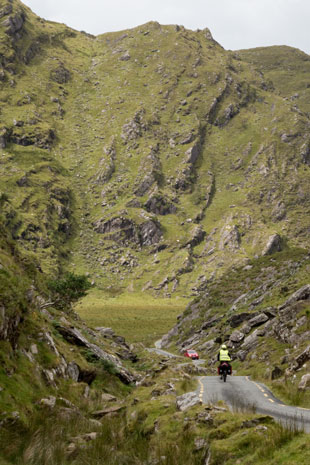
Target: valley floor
x,y
137,317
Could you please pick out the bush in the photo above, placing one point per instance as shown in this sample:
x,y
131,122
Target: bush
x,y
68,289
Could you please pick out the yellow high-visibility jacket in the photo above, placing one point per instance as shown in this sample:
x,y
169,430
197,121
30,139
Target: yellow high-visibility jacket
x,y
224,356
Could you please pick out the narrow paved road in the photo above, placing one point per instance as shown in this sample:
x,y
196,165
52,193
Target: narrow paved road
x,y
240,393
163,352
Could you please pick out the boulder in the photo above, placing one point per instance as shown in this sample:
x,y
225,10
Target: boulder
x,y
236,320
258,320
227,115
146,183
250,341
133,128
241,298
279,212
73,371
236,337
304,382
190,399
301,359
288,137
274,244
84,438
301,294
120,229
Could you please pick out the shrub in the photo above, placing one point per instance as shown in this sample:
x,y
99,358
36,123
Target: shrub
x,y
68,289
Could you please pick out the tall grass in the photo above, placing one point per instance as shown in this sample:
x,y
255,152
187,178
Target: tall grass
x,y
281,435
46,439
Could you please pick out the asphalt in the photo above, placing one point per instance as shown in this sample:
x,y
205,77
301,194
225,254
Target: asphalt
x,y
242,394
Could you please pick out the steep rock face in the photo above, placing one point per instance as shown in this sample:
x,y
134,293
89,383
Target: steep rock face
x,y
159,205
14,24
188,132
124,231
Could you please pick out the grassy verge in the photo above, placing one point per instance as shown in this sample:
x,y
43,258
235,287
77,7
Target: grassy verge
x,y
137,317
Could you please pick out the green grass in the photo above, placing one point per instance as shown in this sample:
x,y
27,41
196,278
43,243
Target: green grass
x,y
137,317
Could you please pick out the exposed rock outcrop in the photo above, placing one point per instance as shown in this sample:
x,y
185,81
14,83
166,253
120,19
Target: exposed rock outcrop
x,y
301,359
151,165
38,137
107,164
124,231
236,320
184,176
187,400
74,336
301,294
14,24
61,75
230,238
197,236
135,127
273,245
160,205
304,382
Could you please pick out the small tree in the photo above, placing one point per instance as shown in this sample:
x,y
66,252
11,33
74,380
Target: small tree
x,y
68,289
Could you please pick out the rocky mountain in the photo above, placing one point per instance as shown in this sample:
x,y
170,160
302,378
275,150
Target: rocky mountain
x,y
153,161
260,311
151,158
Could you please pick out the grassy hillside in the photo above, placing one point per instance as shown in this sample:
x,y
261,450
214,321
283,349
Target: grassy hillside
x,y
165,170
261,311
285,69
151,158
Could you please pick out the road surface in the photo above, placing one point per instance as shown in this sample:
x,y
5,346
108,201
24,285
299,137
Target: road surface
x,y
164,353
240,393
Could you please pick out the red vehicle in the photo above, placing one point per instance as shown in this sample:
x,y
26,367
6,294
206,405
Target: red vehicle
x,y
191,354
